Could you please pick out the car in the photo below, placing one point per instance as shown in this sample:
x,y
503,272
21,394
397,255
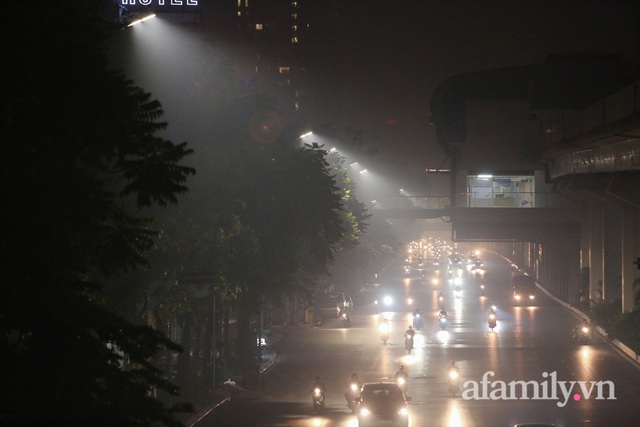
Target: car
x,y
524,289
332,304
382,403
394,301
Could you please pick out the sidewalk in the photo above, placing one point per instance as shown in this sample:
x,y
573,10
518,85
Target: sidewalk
x,y
209,403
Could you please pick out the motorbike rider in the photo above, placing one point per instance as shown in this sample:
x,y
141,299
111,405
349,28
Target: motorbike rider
x,y
453,367
454,378
410,332
443,313
353,391
417,319
401,373
492,312
319,384
582,329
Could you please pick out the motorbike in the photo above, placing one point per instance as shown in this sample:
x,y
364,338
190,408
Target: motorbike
x,y
443,322
441,301
582,334
492,321
346,319
384,332
318,400
353,396
482,289
454,381
408,342
417,321
402,382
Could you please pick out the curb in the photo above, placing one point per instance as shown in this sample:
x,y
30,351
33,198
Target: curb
x,y
204,413
208,411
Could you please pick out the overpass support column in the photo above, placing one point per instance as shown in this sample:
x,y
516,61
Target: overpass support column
x,y
596,248
584,235
612,252
630,246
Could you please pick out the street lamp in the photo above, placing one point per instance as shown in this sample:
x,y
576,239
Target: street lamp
x,y
137,21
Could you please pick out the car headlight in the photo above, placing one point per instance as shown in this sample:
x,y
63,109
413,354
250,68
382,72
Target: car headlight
x,y
364,411
403,411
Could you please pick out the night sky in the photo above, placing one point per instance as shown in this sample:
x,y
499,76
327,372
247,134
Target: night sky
x,y
417,45
393,54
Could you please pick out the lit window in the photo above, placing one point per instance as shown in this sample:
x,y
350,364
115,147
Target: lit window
x,y
283,70
294,40
259,27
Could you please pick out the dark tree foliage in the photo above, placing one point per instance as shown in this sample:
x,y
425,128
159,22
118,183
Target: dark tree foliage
x,y
79,157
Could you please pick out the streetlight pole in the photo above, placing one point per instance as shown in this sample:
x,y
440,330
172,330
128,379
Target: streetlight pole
x,y
213,343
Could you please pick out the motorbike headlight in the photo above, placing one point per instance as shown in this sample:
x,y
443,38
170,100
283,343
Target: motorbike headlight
x,y
492,316
388,300
585,329
532,296
316,391
453,375
401,381
517,297
354,387
364,411
403,411
410,301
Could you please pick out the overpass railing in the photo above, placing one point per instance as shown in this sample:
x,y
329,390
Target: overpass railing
x,y
475,200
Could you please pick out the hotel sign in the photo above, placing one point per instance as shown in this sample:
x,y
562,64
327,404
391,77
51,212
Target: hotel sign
x,y
159,2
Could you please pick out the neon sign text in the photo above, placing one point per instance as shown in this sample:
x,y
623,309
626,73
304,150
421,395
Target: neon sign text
x,y
161,2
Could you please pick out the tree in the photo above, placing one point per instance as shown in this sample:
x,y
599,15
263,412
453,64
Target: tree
x,y
79,161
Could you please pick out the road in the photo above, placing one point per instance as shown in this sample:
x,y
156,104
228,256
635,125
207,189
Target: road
x,y
532,344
